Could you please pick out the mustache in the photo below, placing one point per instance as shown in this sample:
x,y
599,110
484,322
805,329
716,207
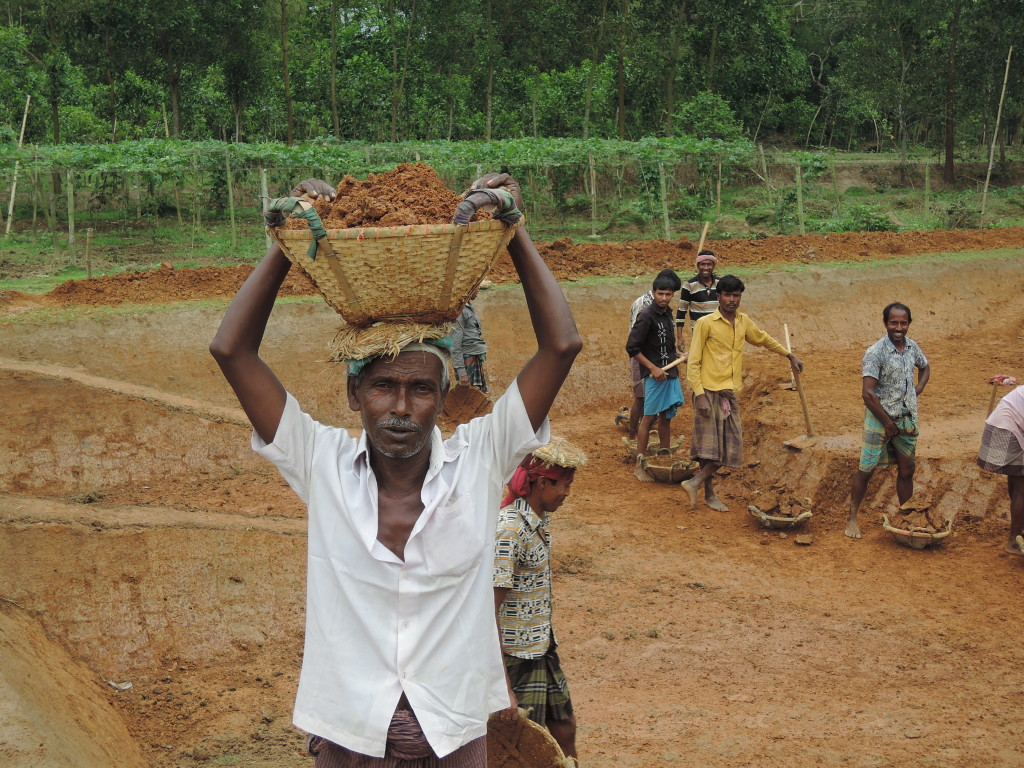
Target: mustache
x,y
395,422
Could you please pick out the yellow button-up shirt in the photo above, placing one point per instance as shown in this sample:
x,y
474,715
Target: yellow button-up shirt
x,y
716,351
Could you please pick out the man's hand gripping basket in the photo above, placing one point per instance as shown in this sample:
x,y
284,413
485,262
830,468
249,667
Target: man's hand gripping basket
x,y
423,273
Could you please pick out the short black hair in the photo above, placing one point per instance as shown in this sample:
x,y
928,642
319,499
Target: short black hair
x,y
730,284
667,279
896,305
705,252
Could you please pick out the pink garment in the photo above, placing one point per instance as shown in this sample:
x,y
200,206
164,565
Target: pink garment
x,y
1009,414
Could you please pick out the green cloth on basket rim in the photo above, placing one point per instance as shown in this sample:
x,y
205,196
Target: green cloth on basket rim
x,y
356,365
279,206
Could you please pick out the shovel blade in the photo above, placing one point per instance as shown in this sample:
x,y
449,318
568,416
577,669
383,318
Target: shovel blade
x,y
799,443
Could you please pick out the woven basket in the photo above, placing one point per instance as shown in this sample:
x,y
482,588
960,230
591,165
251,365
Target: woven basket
x,y
916,539
423,273
664,470
779,521
521,743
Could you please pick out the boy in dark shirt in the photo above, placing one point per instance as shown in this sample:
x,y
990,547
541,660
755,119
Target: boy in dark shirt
x,y
652,344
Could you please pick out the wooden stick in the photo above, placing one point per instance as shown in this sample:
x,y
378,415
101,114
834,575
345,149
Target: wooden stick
x,y
995,134
264,195
14,182
764,172
992,400
664,200
703,234
88,252
718,190
71,215
593,195
792,378
231,201
800,197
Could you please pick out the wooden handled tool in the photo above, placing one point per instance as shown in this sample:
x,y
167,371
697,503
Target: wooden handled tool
x,y
810,438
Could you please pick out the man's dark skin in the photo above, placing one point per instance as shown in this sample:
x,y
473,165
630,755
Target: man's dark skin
x,y
896,328
405,392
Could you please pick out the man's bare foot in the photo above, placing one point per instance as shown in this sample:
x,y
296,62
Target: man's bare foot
x,y
852,529
1015,547
641,473
715,503
691,490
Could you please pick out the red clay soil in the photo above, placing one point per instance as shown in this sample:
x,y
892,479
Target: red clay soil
x,y
412,193
141,533
568,261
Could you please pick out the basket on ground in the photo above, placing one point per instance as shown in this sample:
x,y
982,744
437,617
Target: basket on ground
x,y
666,470
521,743
779,521
423,273
917,539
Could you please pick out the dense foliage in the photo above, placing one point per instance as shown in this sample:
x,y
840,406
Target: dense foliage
x,y
810,73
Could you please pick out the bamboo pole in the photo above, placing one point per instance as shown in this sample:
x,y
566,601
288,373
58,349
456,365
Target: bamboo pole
x,y
14,182
995,134
927,187
664,201
35,206
593,195
764,173
88,252
718,190
835,186
264,197
71,216
231,201
137,187
800,197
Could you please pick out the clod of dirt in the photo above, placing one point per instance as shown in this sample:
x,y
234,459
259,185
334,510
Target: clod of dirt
x,y
412,193
916,515
805,539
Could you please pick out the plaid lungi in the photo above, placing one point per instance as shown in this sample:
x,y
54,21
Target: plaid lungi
x,y
877,450
475,371
406,747
540,686
1001,452
718,438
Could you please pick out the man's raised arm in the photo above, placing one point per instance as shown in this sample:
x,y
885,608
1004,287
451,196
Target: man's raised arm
x,y
237,342
558,341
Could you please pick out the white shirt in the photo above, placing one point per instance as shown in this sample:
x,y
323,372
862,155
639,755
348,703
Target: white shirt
x,y
376,626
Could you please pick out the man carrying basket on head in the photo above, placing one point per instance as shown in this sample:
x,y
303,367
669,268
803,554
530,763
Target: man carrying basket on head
x,y
401,664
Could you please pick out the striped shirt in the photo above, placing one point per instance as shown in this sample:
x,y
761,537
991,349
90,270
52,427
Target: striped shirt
x,y
697,299
522,564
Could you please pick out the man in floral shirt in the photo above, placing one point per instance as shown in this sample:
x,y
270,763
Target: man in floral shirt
x,y
890,417
522,589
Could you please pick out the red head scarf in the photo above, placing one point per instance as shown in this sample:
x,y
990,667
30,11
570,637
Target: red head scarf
x,y
530,469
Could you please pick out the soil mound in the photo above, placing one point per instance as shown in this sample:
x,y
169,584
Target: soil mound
x,y
412,193
52,711
568,260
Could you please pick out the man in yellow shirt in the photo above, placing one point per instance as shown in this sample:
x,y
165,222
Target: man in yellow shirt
x,y
715,371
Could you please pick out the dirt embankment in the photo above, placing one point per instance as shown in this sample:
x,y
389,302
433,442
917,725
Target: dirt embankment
x,y
568,261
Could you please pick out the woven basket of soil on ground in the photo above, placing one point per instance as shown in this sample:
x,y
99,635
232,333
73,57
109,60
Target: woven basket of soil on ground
x,y
916,525
667,469
521,743
391,252
654,446
782,512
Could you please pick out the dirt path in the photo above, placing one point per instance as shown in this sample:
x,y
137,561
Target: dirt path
x,y
156,548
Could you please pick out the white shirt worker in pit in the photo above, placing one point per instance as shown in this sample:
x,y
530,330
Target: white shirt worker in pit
x,y
401,664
